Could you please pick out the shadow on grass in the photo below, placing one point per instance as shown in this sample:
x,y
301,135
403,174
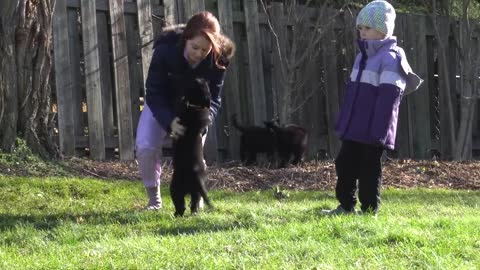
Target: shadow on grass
x,y
161,223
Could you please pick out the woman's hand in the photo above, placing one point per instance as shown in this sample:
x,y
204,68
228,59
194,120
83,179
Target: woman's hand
x,y
177,129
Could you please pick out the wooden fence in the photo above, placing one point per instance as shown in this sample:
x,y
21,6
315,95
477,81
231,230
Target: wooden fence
x,y
102,50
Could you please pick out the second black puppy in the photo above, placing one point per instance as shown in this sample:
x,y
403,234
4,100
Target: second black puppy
x,y
188,164
291,142
255,140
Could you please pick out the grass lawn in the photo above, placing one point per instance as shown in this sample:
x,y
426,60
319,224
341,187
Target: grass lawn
x,y
69,223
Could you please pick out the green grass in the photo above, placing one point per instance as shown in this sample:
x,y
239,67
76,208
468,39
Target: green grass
x,y
69,223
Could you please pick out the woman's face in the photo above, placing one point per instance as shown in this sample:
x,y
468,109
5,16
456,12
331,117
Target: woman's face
x,y
197,48
369,33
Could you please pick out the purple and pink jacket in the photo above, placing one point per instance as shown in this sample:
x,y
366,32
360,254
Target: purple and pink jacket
x,y
380,77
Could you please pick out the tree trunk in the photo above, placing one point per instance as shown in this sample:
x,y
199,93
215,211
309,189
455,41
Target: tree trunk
x,y
26,44
8,86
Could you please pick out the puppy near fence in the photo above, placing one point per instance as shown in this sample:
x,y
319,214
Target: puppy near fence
x,y
188,162
291,142
255,140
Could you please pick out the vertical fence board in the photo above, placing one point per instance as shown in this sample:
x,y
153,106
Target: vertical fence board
x,y
255,63
120,63
402,145
266,45
105,75
416,50
92,81
135,73
75,48
170,12
409,103
331,90
278,54
145,30
63,80
231,95
192,7
444,78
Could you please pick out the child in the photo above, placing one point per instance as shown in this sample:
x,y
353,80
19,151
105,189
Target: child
x,y
197,50
367,122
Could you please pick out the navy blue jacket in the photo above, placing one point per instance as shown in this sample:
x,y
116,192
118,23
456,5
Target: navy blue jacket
x,y
169,69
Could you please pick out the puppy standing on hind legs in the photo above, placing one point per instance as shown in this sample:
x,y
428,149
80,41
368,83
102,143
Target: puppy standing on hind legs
x,y
189,169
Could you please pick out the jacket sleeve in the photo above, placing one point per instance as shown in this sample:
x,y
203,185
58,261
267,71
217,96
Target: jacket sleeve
x,y
216,86
158,92
385,115
387,104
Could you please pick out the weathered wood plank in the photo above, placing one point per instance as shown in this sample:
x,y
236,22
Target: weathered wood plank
x,y
92,81
278,55
231,95
145,30
444,84
416,50
75,50
403,145
121,75
171,11
243,80
105,74
63,80
255,63
406,150
192,7
102,5
106,81
135,72
331,89
266,45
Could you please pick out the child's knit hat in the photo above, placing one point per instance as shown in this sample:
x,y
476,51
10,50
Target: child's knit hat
x,y
379,15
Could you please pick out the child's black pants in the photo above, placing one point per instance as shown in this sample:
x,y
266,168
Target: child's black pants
x,y
362,162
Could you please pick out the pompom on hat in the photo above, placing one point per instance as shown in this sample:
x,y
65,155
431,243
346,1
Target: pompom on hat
x,y
379,15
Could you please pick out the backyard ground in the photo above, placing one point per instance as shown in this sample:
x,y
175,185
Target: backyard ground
x,y
314,175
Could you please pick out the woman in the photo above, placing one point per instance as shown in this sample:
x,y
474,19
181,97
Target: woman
x,y
197,50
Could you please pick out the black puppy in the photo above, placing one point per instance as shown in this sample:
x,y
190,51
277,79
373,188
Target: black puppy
x,y
255,140
188,163
291,142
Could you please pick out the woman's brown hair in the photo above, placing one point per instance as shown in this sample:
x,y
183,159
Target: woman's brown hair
x,y
206,24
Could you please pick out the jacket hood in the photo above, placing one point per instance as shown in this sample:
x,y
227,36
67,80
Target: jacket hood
x,y
170,35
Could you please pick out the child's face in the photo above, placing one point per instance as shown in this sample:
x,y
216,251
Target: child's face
x,y
369,33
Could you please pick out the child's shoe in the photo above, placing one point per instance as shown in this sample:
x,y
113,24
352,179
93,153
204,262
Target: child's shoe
x,y
154,199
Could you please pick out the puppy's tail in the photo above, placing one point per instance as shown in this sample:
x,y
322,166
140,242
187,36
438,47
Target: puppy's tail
x,y
235,123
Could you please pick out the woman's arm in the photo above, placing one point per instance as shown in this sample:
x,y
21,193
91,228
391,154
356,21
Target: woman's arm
x,y
216,86
157,93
